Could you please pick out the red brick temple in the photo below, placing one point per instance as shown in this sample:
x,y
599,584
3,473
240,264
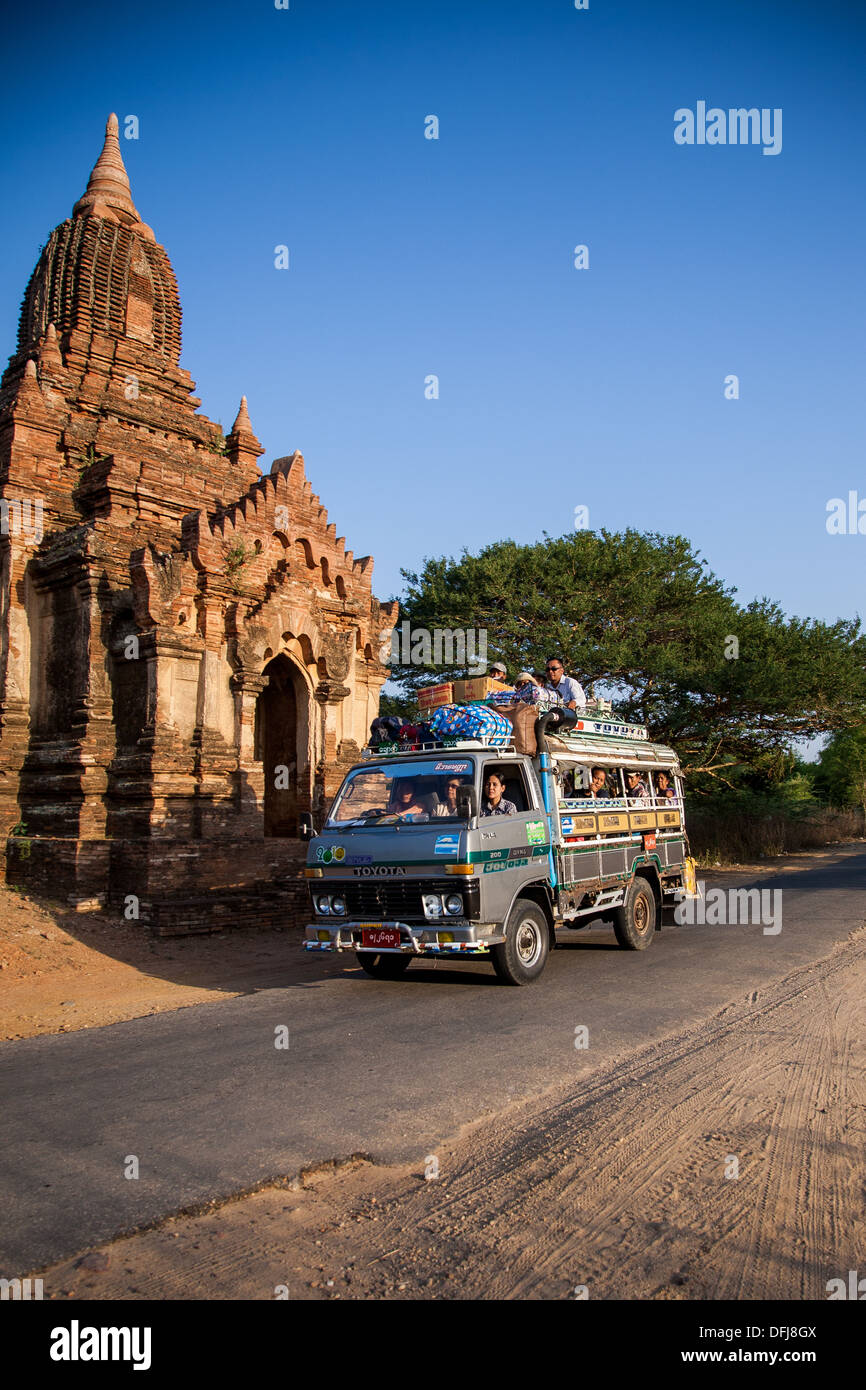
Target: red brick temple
x,y
189,656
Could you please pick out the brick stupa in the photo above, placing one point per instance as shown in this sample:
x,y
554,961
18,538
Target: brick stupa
x,y
190,655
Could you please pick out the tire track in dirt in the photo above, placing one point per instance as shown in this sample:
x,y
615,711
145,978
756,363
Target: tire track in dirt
x,y
616,1183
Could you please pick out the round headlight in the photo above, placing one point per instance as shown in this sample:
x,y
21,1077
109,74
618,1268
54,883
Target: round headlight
x,y
338,905
432,904
454,904
323,906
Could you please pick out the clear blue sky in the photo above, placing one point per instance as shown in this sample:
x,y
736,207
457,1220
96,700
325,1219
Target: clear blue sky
x,y
410,256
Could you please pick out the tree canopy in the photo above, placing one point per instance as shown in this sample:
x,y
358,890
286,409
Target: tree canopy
x,y
639,617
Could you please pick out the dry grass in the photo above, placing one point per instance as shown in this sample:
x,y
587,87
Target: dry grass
x,y
734,835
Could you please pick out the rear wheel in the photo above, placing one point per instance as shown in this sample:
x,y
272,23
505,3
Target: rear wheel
x,y
383,967
522,956
635,922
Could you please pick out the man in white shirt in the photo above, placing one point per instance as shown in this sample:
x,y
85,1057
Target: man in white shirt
x,y
569,691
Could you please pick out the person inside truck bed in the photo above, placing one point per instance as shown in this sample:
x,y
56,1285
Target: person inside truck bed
x,y
664,790
496,804
637,789
598,784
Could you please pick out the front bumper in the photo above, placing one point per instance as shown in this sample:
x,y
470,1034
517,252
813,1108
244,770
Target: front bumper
x,y
416,938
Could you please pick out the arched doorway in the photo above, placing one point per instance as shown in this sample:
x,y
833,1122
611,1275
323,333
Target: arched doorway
x,y
276,747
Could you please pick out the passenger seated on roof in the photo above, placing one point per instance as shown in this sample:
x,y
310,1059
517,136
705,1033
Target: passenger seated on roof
x,y
664,790
496,805
598,784
403,801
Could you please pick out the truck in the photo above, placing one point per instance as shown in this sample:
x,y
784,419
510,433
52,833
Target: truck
x,y
415,860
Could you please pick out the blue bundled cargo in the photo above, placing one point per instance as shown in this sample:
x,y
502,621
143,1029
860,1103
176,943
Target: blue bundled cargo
x,y
471,721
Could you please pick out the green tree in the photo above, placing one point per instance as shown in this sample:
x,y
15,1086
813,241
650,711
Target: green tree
x,y
640,618
841,775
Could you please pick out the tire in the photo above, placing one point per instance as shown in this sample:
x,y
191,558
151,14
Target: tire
x,y
383,967
522,956
635,922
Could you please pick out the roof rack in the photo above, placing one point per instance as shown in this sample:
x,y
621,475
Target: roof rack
x,y
450,745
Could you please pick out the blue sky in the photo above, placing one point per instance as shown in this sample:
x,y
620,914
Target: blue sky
x,y
454,257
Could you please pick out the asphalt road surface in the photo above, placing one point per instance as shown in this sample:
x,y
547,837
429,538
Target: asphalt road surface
x,y
210,1106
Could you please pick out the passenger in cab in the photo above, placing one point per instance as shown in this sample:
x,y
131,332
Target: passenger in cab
x,y
598,784
496,804
403,801
448,797
637,789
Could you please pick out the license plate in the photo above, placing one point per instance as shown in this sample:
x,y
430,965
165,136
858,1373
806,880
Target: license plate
x,y
380,938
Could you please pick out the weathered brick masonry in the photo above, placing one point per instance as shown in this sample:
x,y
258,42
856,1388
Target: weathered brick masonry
x,y
188,652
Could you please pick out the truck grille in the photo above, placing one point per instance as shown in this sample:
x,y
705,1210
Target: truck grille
x,y
401,899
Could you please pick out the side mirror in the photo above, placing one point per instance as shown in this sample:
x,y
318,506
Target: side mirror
x,y
305,826
467,803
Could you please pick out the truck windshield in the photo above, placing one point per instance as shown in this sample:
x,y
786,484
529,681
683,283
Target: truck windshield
x,y
412,792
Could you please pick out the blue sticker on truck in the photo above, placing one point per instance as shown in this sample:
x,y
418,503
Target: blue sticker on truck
x,y
447,844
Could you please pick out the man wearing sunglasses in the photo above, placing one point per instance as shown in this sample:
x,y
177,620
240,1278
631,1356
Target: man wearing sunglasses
x,y
569,690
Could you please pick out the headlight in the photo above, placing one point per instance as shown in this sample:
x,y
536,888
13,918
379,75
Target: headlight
x,y
432,904
454,904
322,906
338,905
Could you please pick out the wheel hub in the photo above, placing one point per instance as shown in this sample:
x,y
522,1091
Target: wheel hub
x,y
528,943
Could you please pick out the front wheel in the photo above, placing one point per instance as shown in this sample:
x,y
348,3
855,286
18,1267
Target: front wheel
x,y
635,922
522,956
383,967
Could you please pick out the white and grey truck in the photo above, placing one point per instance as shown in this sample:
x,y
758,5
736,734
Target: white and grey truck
x,y
402,870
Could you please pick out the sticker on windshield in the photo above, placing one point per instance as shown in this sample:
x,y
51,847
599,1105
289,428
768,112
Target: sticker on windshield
x,y
535,832
447,844
453,767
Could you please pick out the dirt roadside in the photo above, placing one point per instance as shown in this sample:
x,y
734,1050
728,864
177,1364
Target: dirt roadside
x,y
62,970
726,1161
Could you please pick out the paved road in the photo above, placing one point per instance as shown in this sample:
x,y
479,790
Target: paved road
x,y
209,1106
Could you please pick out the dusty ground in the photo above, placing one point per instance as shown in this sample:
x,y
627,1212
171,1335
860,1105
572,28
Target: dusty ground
x,y
723,1162
61,970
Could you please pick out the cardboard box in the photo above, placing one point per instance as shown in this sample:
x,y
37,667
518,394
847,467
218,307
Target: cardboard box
x,y
477,688
432,696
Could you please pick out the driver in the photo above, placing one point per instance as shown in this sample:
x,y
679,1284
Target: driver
x,y
403,801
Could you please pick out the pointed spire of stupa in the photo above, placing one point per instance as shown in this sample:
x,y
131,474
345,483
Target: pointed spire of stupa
x,y
108,193
49,351
242,421
243,447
